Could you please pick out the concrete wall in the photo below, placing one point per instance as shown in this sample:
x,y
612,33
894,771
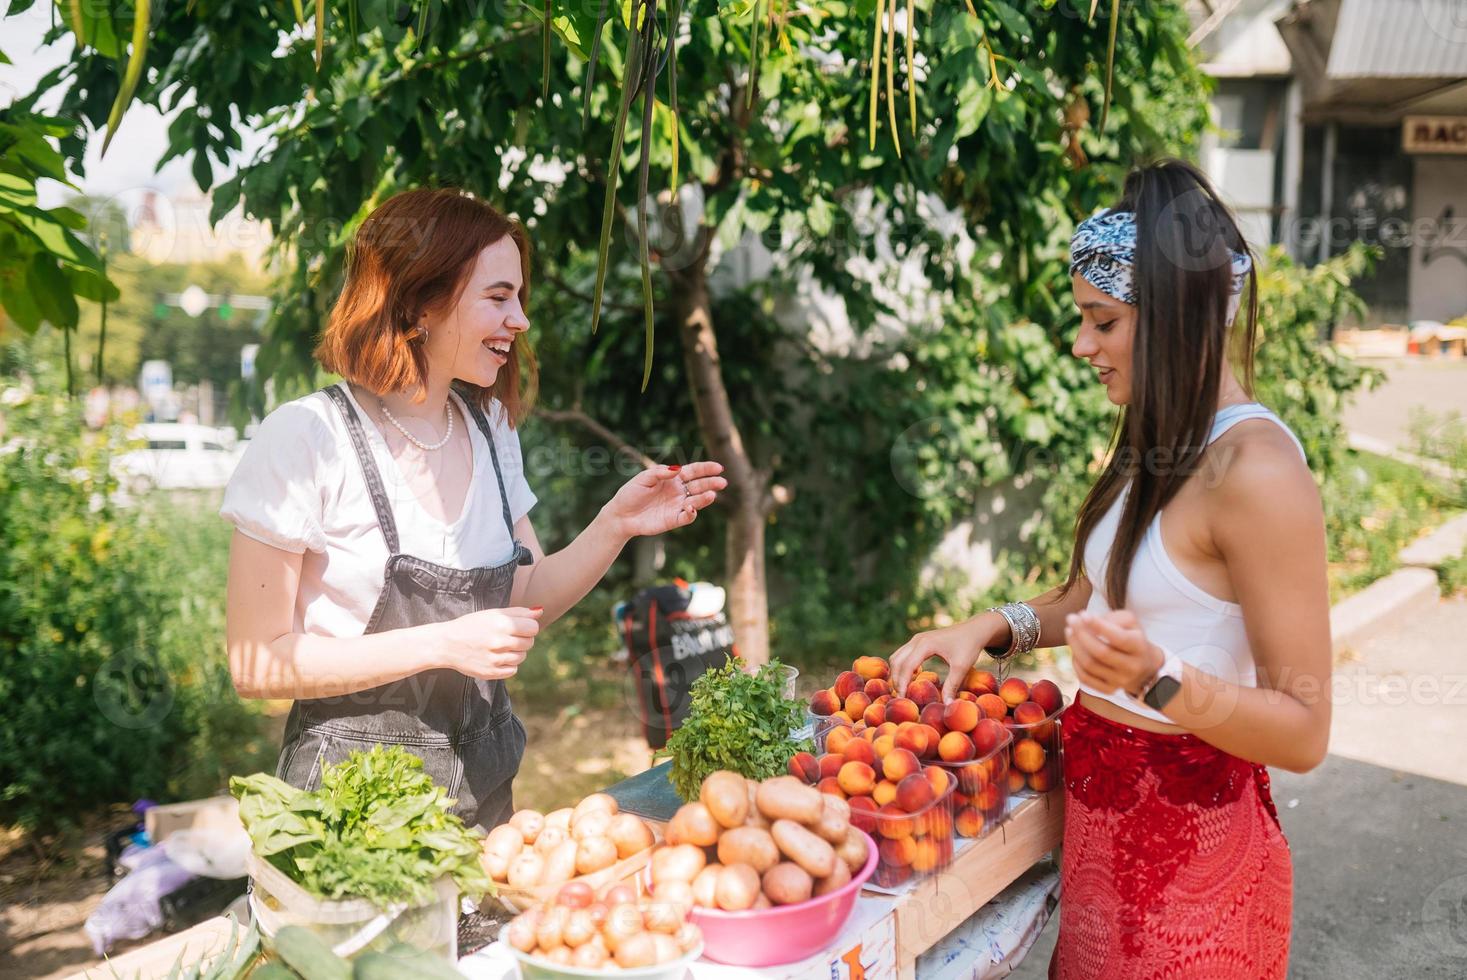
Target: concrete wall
x,y
1439,256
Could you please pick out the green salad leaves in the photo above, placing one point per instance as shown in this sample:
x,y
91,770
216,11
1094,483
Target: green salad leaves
x,y
378,828
737,721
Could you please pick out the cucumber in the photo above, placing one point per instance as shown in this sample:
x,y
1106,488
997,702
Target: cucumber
x,y
273,971
307,954
384,966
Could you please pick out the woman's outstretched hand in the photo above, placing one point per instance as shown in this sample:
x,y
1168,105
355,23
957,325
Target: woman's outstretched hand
x,y
665,497
959,645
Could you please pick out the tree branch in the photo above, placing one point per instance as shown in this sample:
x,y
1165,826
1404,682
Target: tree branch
x,y
574,293
576,416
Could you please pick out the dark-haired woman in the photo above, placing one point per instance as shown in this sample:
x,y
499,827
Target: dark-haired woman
x,y
384,574
1195,608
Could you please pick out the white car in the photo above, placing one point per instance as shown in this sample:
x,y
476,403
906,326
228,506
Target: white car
x,y
178,456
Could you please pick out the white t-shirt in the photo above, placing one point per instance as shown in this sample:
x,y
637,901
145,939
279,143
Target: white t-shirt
x,y
299,487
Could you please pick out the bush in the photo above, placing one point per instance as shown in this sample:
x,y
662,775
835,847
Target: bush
x,y
111,625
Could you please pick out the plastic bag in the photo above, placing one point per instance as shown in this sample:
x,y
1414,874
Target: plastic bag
x,y
214,853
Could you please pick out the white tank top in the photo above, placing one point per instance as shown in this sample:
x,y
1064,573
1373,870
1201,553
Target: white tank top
x,y
1177,615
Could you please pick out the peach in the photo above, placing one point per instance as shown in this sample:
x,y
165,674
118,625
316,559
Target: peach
x,y
992,705
1014,691
860,750
857,778
969,822
923,692
882,745
875,714
831,786
936,822
902,709
898,851
1046,694
891,876
955,747
898,764
804,766
979,681
914,792
938,777
931,715
961,716
824,702
867,732
1041,781
1015,781
972,778
838,738
887,728
914,739
871,668
1028,755
1028,713
877,687
989,799
967,696
933,737
863,813
987,735
928,675
857,704
829,764
848,683
843,718
929,856
884,793
893,821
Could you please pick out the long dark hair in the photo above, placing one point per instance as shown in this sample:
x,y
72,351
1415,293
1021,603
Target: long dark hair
x,y
1183,271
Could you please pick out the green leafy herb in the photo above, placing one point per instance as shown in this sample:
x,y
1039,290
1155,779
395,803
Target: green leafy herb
x,y
378,828
736,721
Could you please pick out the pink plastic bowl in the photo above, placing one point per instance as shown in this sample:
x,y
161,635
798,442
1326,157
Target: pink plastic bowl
x,y
785,934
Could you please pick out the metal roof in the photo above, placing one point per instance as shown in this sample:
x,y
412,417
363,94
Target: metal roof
x,y
1400,39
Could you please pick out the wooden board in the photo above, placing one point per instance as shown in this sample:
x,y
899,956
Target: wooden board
x,y
939,904
207,939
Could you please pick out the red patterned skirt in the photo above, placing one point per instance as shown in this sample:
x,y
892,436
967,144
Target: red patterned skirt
x,y
1174,863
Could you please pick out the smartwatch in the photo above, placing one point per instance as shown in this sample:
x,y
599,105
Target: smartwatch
x,y
1164,684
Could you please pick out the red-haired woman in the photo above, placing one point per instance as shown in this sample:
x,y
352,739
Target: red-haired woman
x,y
384,573
1196,610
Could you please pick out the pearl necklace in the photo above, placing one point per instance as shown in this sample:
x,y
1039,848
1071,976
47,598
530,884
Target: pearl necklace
x,y
447,410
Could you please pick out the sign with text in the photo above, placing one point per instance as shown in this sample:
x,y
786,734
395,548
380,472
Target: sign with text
x,y
1434,134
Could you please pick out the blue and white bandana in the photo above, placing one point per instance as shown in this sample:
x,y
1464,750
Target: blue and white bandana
x,y
1103,252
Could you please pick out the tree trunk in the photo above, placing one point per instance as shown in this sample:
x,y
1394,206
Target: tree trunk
x,y
748,497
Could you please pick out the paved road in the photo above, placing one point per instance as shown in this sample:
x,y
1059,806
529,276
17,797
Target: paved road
x,y
1436,385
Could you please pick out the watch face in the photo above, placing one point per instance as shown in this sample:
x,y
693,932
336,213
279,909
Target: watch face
x,y
1162,691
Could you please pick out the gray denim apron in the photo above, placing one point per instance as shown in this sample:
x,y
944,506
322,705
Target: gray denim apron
x,y
464,729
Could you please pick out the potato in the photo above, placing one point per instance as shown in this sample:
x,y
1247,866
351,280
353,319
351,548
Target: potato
x,y
679,862
630,834
529,823
578,928
496,866
688,937
837,879
560,863
601,802
748,845
787,883
505,841
637,950
561,956
663,916
624,922
679,893
852,850
726,797
559,818
763,902
835,818
755,818
667,947
589,957
803,847
705,887
738,887
593,854
526,870
693,824
550,838
550,931
786,798
520,933
594,824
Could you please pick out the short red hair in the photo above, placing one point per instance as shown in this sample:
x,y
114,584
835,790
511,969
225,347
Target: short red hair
x,y
413,254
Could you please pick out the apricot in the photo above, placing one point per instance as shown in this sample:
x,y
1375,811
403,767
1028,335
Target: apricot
x,y
969,822
871,668
987,735
824,702
898,764
923,692
1028,755
877,687
892,821
863,813
1046,694
882,745
938,777
804,766
928,856
914,739
931,715
884,793
898,852
829,764
838,738
989,799
860,750
992,705
857,778
875,714
972,778
857,704
955,747
961,716
1014,691
928,675
831,786
902,709
980,681
914,792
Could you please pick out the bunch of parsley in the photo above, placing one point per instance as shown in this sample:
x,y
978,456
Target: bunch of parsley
x,y
737,721
378,828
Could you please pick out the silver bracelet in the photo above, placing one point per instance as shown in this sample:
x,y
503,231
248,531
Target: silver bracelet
x,y
1024,628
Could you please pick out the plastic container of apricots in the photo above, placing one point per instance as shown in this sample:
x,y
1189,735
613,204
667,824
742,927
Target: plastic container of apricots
x,y
982,789
1035,759
910,844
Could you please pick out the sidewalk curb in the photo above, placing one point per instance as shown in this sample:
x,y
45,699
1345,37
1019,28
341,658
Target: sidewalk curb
x,y
1439,547
1379,604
